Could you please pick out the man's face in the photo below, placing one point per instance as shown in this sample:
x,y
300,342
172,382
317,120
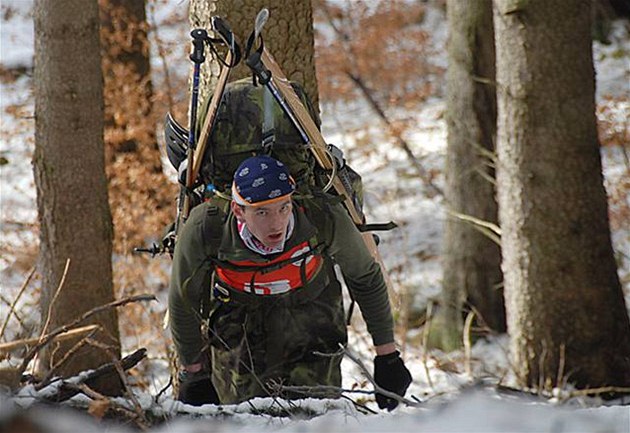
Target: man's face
x,y
268,223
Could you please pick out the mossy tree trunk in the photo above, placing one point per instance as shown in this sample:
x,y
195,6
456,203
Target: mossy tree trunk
x,y
566,314
472,260
69,171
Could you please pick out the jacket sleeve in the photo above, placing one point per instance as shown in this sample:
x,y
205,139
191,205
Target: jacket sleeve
x,y
363,276
190,277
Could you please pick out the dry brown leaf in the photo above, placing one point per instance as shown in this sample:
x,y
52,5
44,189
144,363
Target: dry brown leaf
x,y
98,408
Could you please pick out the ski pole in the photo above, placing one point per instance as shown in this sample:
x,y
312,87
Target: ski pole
x,y
197,56
233,57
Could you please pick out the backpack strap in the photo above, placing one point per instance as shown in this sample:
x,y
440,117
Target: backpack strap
x,y
317,207
213,229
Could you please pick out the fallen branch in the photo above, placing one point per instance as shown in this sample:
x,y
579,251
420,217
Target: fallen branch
x,y
66,357
68,335
98,397
597,391
68,390
65,328
318,391
123,378
322,391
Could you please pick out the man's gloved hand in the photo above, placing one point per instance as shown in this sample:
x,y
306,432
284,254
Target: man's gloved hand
x,y
390,374
197,389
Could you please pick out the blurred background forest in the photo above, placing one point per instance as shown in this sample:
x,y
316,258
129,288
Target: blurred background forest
x,y
382,92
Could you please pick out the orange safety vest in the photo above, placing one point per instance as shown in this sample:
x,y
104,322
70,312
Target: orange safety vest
x,y
268,279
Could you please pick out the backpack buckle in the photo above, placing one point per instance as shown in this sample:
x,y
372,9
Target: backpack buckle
x,y
268,138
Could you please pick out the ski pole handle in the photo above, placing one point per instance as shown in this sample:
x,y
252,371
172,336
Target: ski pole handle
x,y
200,36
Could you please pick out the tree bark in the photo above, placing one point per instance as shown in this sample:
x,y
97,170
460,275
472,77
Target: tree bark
x,y
288,36
472,261
566,314
69,171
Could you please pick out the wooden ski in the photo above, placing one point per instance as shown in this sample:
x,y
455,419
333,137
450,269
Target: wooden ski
x,y
271,75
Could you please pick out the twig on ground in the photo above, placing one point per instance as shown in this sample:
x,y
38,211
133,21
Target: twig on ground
x,y
377,388
15,301
69,354
319,391
65,328
601,390
249,369
360,406
123,378
66,392
156,399
94,395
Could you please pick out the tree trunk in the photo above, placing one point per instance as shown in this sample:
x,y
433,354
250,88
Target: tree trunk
x,y
70,177
288,36
472,260
138,188
566,314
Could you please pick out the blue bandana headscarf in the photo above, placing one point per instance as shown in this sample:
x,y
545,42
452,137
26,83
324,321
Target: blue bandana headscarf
x,y
261,180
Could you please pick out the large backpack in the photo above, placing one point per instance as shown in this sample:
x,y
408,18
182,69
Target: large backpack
x,y
249,122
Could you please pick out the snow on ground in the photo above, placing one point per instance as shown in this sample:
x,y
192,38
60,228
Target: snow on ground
x,y
459,393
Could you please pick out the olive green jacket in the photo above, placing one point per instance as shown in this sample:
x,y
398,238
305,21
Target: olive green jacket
x,y
192,274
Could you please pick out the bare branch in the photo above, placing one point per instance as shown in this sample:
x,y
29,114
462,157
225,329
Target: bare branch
x,y
123,377
15,301
94,395
65,328
67,391
400,141
67,356
487,228
377,388
74,333
54,299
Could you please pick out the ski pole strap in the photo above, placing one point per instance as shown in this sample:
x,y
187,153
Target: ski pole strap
x,y
221,27
254,61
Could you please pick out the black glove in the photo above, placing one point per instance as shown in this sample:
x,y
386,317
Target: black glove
x,y
390,374
196,389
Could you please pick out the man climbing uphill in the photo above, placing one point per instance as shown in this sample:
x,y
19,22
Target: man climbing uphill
x,y
264,275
